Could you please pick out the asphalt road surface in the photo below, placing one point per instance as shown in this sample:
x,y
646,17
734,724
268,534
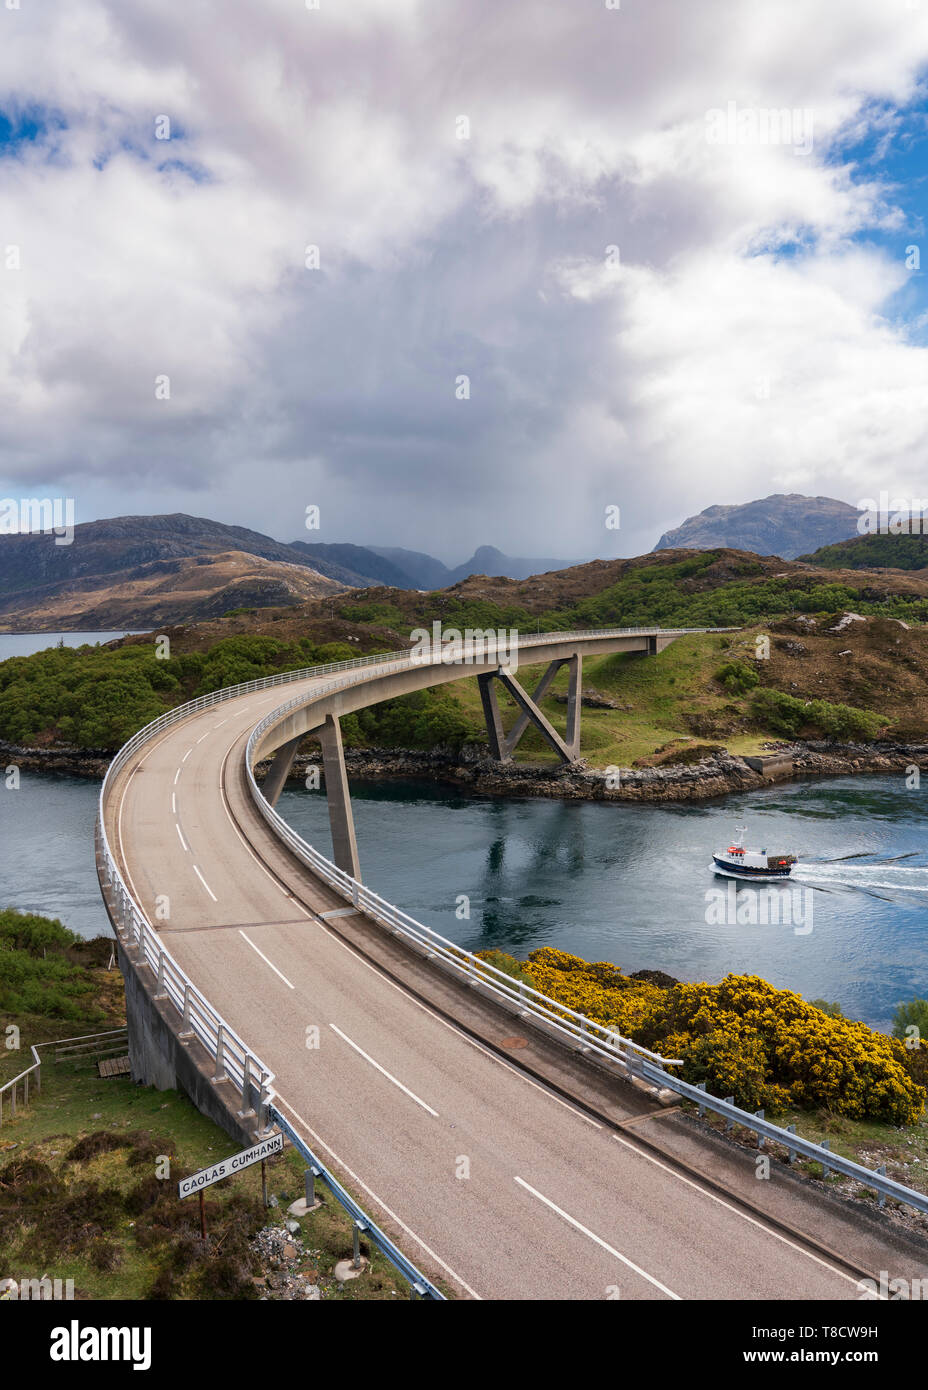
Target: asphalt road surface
x,y
484,1177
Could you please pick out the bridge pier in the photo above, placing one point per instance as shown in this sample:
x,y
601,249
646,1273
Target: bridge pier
x,y
502,744
280,770
338,795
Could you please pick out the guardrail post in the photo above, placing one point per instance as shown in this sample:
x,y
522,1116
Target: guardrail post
x,y
246,1088
882,1172
791,1158
359,1226
219,1073
264,1121
700,1108
186,1031
759,1115
826,1171
729,1123
309,1186
26,1089
160,992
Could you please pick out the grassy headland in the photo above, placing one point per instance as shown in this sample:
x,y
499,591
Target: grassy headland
x,y
821,676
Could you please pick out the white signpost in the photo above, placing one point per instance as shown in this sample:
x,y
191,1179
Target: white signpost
x,y
225,1168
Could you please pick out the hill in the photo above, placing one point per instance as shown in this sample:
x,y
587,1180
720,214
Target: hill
x,y
848,657
140,569
784,524
874,552
165,592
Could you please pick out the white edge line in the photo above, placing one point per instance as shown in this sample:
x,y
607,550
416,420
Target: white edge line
x,y
174,803
377,1200
265,959
753,1221
205,884
368,965
598,1241
383,1071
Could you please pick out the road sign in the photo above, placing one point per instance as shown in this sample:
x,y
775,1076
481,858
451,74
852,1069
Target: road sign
x,y
229,1166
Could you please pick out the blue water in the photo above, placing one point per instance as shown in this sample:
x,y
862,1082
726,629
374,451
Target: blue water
x,y
623,883
25,643
628,883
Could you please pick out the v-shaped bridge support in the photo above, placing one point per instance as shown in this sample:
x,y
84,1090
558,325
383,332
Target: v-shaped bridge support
x,y
502,744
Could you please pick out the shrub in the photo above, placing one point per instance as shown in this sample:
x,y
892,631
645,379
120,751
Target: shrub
x,y
765,1046
913,1014
509,966
832,1010
737,677
787,715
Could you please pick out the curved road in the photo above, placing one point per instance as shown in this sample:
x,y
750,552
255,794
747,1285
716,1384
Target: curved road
x,y
488,1180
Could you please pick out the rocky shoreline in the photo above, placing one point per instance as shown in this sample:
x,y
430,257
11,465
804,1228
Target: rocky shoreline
x,y
717,774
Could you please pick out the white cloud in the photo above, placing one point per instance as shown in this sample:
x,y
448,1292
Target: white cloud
x,y
439,256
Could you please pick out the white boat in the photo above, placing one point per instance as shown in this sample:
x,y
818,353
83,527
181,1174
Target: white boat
x,y
757,864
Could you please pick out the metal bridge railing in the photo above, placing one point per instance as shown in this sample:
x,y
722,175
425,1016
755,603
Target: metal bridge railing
x,y
588,1035
420,1286
233,1057
793,1142
585,1032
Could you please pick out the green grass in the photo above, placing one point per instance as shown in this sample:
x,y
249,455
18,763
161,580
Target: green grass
x,y
75,1102
670,699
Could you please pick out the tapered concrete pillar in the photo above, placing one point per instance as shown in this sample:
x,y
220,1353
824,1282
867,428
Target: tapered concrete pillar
x,y
494,720
574,694
338,795
280,770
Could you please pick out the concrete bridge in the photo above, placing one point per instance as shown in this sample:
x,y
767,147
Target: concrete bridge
x,y
506,1148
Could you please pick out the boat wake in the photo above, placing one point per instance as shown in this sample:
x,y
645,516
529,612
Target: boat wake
x,y
887,877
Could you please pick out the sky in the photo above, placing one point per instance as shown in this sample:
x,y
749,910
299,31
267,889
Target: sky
x,y
462,273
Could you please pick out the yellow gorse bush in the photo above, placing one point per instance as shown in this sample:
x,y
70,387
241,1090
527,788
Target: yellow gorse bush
x,y
744,1038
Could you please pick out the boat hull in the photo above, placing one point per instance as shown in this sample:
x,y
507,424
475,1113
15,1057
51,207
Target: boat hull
x,y
764,875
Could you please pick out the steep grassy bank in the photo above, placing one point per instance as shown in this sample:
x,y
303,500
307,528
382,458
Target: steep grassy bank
x,y
88,1170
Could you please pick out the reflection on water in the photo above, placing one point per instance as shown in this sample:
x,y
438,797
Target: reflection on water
x,y
622,883
629,883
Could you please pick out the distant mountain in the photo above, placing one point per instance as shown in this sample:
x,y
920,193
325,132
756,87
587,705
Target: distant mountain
x,y
358,565
785,524
108,560
124,543
486,559
423,571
